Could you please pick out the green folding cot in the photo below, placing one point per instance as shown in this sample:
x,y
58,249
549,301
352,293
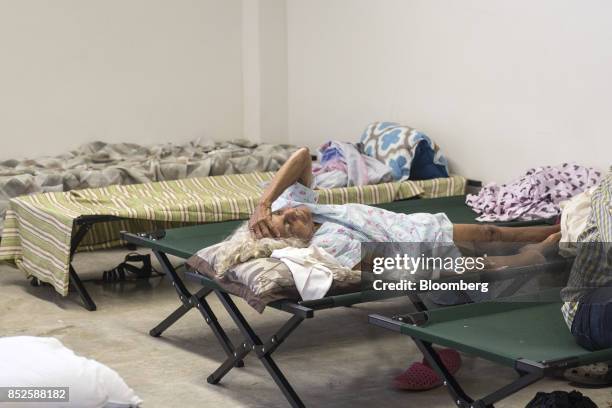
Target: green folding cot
x,y
186,241
529,336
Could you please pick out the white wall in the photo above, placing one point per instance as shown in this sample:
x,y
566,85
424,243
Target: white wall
x,y
73,71
501,85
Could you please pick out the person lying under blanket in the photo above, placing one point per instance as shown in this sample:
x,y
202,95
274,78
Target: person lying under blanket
x,y
288,215
288,210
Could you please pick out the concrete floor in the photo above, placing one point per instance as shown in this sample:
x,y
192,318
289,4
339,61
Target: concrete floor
x,y
334,360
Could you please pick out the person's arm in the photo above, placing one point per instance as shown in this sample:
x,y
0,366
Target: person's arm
x,y
298,168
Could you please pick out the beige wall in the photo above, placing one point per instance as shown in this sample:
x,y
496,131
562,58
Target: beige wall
x,y
73,71
274,71
251,69
501,85
264,66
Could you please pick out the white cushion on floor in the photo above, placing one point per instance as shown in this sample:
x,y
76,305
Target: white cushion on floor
x,y
44,362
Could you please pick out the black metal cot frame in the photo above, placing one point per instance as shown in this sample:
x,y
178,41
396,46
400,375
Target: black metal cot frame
x,y
251,341
84,224
300,311
529,371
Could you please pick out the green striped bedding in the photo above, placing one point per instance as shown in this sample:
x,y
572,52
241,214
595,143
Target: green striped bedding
x,y
38,228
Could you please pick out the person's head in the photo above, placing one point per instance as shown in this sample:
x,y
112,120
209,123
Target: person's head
x,y
294,222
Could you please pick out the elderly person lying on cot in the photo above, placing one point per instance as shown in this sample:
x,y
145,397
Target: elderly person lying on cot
x,y
288,215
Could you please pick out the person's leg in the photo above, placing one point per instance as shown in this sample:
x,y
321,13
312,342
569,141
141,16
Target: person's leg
x,y
523,258
592,326
473,239
492,233
531,254
592,329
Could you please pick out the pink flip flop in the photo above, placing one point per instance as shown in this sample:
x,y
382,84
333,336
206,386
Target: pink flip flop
x,y
418,377
421,377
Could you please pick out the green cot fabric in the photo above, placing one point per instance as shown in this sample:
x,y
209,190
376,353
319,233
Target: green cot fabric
x,y
38,228
454,207
504,332
186,241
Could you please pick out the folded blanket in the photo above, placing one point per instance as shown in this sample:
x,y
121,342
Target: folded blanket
x,y
409,153
535,195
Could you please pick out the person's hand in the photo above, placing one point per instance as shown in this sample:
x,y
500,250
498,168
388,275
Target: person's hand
x,y
260,223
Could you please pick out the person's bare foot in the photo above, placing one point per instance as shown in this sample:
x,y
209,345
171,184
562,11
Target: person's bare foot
x,y
547,247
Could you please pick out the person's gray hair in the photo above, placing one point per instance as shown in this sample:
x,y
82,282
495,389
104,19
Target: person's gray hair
x,y
241,247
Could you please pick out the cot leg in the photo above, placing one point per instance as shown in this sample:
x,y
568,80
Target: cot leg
x,y
417,302
74,279
169,321
80,288
529,372
230,362
461,399
190,301
252,342
177,314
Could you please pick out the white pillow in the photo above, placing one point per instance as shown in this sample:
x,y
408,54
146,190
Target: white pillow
x,y
44,362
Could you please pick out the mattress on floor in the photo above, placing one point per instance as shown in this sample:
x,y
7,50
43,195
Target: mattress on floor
x,y
98,164
38,228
